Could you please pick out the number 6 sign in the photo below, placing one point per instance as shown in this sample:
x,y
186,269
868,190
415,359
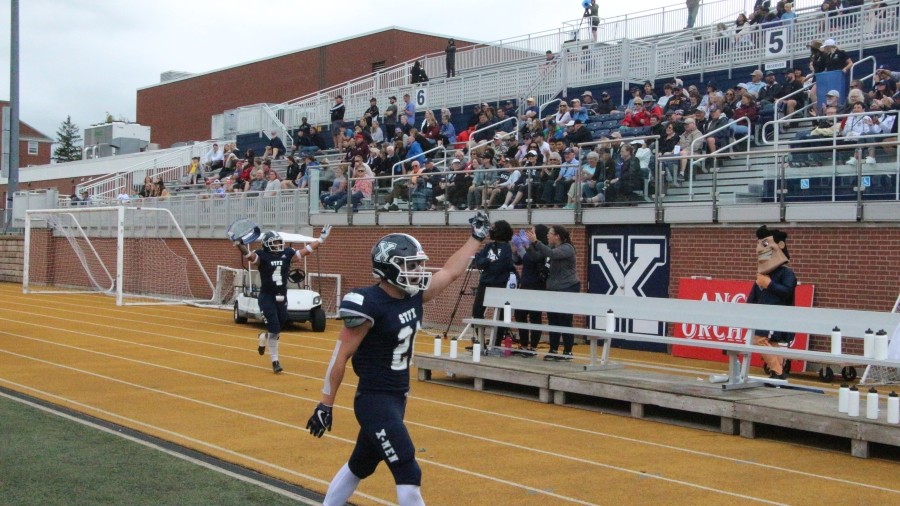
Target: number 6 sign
x,y
421,97
776,45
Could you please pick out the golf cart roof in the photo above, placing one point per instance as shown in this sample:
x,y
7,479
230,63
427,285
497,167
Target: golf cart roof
x,y
296,238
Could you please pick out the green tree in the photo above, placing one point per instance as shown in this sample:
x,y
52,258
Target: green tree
x,y
67,137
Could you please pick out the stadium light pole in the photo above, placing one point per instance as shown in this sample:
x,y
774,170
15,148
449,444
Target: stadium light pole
x,y
12,183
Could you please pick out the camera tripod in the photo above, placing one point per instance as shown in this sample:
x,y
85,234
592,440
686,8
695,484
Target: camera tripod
x,y
462,291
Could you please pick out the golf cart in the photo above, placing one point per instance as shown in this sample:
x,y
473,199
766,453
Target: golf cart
x,y
303,303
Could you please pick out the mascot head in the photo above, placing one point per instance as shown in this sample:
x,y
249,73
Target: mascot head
x,y
771,252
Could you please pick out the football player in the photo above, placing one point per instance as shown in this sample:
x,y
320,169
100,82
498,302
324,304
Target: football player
x,y
273,261
380,324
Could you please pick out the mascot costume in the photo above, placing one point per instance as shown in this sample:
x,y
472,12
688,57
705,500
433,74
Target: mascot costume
x,y
775,285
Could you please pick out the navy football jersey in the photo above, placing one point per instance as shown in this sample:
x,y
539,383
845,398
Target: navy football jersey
x,y
382,359
274,269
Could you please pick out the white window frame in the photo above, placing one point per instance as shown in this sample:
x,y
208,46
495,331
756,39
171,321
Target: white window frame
x,y
33,147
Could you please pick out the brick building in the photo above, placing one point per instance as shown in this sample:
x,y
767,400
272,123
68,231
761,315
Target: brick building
x,y
35,148
181,110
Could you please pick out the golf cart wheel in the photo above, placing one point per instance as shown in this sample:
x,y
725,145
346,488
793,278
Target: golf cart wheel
x,y
826,374
848,373
318,320
237,315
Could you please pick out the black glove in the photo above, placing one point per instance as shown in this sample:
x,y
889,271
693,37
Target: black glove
x,y
481,226
320,420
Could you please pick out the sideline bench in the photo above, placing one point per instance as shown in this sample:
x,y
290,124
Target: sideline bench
x,y
733,407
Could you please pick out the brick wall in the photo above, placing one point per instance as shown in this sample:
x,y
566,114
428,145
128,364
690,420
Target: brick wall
x,y
11,257
853,267
181,110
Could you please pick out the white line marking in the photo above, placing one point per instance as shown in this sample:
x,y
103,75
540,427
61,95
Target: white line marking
x,y
148,444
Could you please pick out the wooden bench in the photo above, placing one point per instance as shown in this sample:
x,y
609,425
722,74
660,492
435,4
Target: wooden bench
x,y
731,400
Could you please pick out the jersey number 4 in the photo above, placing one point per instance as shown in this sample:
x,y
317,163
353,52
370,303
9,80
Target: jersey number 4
x,y
403,350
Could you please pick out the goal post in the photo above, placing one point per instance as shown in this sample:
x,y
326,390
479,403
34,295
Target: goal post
x,y
140,255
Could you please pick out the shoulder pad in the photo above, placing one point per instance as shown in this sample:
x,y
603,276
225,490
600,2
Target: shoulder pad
x,y
350,319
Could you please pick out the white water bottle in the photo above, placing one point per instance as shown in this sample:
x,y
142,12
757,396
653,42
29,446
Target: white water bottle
x,y
507,313
437,346
881,345
476,352
853,402
893,414
872,404
843,397
835,341
454,348
869,344
610,321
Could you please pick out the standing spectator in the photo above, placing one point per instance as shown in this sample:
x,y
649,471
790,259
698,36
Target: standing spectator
x,y
562,277
535,268
371,113
390,119
835,58
594,12
409,109
278,149
451,58
693,6
495,261
337,120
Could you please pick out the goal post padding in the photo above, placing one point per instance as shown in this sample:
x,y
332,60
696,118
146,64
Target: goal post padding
x,y
138,255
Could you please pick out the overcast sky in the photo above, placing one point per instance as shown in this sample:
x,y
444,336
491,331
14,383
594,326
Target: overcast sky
x,y
87,58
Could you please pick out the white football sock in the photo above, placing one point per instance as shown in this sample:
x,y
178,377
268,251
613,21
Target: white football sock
x,y
341,488
273,347
409,495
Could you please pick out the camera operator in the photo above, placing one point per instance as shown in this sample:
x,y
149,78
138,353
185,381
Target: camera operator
x,y
592,10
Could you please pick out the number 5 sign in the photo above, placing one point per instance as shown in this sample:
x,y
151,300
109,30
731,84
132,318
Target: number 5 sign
x,y
776,43
422,97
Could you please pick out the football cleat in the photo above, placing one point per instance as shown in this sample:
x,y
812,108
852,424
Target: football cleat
x,y
276,367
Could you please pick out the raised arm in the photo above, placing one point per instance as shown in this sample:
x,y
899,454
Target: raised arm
x,y
456,265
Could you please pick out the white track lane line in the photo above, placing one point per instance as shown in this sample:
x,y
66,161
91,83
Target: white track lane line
x,y
148,444
455,406
439,429
423,344
300,428
178,316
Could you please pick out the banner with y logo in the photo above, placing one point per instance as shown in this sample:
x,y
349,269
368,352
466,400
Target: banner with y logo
x,y
630,261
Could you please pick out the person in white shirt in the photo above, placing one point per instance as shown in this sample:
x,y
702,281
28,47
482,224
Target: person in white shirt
x,y
214,158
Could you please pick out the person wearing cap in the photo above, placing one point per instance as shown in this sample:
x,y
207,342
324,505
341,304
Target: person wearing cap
x,y
747,109
390,119
652,108
456,186
756,83
636,116
686,144
711,91
587,102
337,119
484,173
716,138
528,180
884,88
450,54
577,133
605,105
884,72
578,112
676,101
835,58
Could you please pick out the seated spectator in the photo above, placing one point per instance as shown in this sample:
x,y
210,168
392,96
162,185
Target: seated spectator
x,y
292,174
562,117
663,101
484,174
622,188
587,102
555,190
856,127
256,183
456,186
161,192
376,133
337,190
791,85
742,30
214,158
145,191
686,143
547,176
448,132
636,116
605,106
720,138
748,110
577,133
853,97
276,145
273,185
825,131
363,184
527,185
578,112
505,183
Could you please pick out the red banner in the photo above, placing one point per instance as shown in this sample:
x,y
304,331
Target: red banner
x,y
727,290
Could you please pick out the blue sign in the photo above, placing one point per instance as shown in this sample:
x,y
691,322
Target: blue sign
x,y
804,184
631,261
866,181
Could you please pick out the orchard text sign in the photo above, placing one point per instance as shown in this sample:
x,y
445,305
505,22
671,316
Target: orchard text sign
x,y
730,291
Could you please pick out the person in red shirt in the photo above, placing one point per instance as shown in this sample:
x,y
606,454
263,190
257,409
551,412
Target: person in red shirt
x,y
637,117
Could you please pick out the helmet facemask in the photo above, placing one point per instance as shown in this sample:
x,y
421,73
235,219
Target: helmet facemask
x,y
273,242
411,274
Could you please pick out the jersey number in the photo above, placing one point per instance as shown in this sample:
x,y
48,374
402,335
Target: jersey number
x,y
402,350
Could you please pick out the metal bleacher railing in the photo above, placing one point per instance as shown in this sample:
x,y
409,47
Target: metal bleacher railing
x,y
513,69
168,164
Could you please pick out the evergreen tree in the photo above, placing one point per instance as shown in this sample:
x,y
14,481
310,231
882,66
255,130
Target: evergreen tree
x,y
67,138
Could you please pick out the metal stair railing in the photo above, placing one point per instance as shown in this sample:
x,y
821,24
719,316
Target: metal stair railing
x,y
169,166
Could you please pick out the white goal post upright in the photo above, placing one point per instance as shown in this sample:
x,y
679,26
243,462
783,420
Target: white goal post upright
x,y
154,262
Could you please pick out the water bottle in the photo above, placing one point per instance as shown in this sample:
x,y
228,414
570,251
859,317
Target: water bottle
x,y
893,415
476,352
853,402
843,398
437,346
869,344
835,341
507,313
610,321
872,404
507,346
454,348
881,345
